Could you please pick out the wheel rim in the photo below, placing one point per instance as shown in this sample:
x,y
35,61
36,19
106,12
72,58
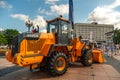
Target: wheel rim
x,y
60,64
90,59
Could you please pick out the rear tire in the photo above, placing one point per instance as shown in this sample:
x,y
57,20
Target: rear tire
x,y
57,64
87,58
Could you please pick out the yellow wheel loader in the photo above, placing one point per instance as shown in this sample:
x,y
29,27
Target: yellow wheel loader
x,y
54,49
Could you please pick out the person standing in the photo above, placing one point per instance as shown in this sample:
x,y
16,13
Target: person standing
x,y
33,30
109,50
80,37
112,49
117,49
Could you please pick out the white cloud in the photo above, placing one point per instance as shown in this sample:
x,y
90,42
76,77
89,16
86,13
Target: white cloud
x,y
4,4
51,1
55,10
43,11
20,16
60,9
115,4
39,20
1,29
106,14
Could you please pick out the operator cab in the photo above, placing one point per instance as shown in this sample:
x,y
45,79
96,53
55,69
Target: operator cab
x,y
60,27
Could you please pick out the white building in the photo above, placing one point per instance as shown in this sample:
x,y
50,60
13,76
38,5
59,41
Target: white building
x,y
96,30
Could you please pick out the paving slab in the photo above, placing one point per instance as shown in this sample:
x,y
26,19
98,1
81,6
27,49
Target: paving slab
x,y
4,63
117,57
75,72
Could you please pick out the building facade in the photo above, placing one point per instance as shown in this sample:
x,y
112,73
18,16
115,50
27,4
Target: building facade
x,y
109,36
92,30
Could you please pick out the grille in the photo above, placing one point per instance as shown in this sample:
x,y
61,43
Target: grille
x,y
15,45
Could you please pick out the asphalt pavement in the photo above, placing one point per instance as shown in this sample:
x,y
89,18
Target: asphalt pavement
x,y
110,70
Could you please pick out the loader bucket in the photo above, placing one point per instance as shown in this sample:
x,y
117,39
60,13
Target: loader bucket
x,y
8,55
98,56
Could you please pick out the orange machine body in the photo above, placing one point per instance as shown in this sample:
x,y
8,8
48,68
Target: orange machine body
x,y
32,51
53,50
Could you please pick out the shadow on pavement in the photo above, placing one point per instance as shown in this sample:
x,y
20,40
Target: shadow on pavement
x,y
9,70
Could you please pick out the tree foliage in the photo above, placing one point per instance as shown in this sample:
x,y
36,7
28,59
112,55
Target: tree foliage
x,y
3,41
9,34
116,36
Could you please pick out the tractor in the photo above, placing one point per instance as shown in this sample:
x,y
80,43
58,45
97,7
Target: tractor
x,y
54,49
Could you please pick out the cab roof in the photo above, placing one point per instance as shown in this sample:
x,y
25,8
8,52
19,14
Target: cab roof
x,y
57,18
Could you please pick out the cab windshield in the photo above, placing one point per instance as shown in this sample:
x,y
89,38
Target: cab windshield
x,y
60,29
52,27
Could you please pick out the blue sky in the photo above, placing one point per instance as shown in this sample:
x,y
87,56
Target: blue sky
x,y
14,13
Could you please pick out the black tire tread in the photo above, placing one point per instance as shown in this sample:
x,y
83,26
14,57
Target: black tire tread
x,y
51,63
84,58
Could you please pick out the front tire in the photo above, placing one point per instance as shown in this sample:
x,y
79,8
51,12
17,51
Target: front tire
x,y
57,64
87,58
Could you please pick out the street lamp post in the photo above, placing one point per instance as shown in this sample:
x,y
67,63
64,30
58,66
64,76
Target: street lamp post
x,y
29,24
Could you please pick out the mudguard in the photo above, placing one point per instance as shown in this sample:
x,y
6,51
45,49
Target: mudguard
x,y
59,46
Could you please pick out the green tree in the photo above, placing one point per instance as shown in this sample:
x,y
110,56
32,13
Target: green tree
x,y
9,34
3,41
116,36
